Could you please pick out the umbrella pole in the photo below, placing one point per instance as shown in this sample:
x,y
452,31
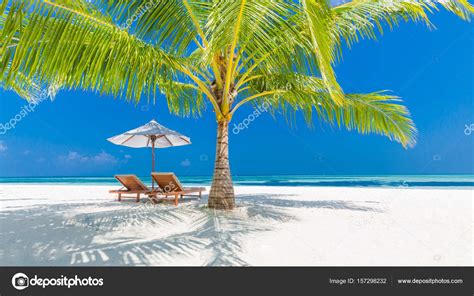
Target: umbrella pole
x,y
153,139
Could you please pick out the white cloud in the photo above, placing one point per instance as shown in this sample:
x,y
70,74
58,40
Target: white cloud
x,y
3,146
127,156
73,156
102,158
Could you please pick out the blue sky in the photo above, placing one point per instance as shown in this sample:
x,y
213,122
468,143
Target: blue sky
x,y
431,70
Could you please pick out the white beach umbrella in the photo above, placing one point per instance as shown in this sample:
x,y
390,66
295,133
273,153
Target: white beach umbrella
x,y
152,135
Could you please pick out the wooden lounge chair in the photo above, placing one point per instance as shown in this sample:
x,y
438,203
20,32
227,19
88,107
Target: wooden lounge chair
x,y
131,185
169,186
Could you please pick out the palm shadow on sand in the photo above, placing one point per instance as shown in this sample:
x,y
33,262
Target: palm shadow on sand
x,y
141,234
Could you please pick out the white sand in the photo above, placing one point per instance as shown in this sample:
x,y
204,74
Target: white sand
x,y
83,225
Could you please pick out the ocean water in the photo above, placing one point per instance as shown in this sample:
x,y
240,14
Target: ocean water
x,y
459,181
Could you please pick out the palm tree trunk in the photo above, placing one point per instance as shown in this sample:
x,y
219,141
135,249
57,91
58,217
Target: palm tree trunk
x,y
222,190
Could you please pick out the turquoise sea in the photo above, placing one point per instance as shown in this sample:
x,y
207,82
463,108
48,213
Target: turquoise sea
x,y
461,181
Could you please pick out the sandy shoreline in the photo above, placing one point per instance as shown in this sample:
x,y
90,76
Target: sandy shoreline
x,y
83,225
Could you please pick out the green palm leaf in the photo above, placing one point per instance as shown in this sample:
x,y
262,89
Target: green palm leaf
x,y
319,14
377,112
60,44
363,18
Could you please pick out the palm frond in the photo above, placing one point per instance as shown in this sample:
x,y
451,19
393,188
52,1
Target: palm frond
x,y
272,40
184,99
377,112
31,90
60,44
164,23
364,18
260,24
372,113
319,17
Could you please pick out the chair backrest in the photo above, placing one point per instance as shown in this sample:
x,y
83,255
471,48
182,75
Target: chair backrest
x,y
131,182
167,182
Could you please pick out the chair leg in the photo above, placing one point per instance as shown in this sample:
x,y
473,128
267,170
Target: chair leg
x,y
176,199
138,197
120,197
200,193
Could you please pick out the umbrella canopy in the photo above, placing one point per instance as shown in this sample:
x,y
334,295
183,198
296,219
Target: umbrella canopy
x,y
150,135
